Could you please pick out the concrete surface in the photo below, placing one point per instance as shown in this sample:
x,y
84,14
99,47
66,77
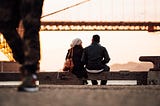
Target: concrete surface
x,y
85,95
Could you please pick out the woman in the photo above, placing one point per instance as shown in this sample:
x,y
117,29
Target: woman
x,y
78,68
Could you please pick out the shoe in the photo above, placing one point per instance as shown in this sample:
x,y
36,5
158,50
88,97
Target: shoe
x,y
94,82
85,82
29,84
103,82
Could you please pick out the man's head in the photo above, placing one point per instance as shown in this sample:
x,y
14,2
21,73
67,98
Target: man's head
x,y
96,38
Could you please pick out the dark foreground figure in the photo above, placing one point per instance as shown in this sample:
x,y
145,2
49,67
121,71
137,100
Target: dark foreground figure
x,y
25,50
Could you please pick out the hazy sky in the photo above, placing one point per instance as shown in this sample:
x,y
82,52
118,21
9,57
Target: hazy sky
x,y
103,10
123,46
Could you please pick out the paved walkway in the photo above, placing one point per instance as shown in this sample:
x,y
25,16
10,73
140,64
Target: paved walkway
x,y
75,95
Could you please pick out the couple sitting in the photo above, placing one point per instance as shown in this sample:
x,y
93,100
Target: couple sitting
x,y
94,58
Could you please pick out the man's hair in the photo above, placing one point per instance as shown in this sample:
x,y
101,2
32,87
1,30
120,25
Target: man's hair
x,y
96,38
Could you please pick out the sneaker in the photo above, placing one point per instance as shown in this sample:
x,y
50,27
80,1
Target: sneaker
x,y
29,84
85,82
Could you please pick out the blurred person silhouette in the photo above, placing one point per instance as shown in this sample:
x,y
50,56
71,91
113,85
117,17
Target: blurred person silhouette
x,y
95,57
78,68
26,49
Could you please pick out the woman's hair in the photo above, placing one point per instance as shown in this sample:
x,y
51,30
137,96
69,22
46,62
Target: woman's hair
x,y
76,41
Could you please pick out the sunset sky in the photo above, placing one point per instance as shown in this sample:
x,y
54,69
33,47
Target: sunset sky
x,y
123,46
103,10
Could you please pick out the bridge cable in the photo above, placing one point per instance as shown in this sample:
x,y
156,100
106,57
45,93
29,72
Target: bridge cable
x,y
65,8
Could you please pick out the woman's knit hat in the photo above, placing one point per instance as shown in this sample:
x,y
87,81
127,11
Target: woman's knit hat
x,y
76,41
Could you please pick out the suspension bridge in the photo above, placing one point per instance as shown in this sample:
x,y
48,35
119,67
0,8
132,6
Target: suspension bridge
x,y
111,15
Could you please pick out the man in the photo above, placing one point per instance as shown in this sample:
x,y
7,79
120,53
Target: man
x,y
25,50
95,58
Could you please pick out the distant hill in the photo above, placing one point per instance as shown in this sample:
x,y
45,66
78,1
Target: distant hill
x,y
131,66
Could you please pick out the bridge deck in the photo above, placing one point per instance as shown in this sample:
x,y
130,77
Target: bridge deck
x,y
77,95
100,26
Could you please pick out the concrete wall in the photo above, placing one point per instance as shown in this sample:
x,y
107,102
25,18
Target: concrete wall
x,y
7,66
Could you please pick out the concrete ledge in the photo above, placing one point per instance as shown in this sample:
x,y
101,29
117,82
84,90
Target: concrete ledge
x,y
153,78
67,78
154,59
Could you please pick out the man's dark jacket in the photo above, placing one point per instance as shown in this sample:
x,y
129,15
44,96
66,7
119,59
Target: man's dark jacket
x,y
95,57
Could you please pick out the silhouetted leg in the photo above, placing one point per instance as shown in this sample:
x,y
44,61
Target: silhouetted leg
x,y
104,82
31,11
15,43
94,82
